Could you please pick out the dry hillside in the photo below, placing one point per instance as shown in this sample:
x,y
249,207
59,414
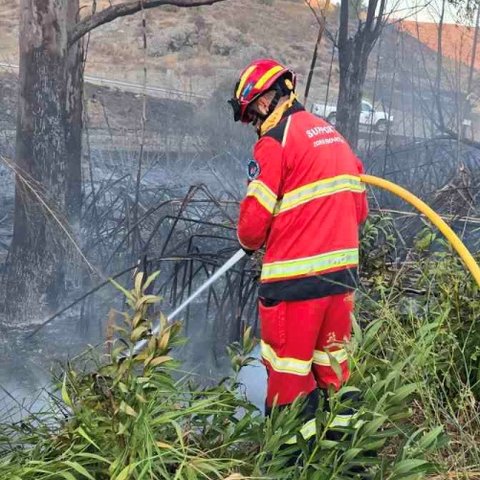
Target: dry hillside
x,y
202,49
457,40
190,48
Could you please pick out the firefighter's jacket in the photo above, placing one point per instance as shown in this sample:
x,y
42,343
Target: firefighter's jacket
x,y
304,201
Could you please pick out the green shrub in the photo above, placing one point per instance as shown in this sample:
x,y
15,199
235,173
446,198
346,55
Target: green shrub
x,y
137,417
431,305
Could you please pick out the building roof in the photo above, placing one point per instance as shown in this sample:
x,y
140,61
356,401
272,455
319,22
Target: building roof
x,y
457,40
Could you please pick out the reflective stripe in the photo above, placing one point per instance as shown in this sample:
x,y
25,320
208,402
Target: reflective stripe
x,y
322,188
341,421
307,430
244,79
267,76
263,194
310,265
323,358
285,364
285,133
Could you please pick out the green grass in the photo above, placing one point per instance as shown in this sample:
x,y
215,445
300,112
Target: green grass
x,y
415,360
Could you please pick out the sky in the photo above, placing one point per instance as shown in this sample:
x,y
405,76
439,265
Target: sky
x,y
429,13
417,10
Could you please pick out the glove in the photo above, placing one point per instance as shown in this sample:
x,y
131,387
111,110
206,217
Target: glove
x,y
247,251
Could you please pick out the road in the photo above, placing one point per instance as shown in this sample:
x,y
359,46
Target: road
x,y
130,86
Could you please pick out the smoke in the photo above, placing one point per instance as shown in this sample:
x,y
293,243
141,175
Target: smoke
x,y
24,384
254,379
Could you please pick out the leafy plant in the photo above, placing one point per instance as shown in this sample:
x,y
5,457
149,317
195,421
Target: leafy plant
x,y
132,419
378,244
136,416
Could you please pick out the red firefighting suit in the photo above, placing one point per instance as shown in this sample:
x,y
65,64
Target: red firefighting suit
x,y
304,201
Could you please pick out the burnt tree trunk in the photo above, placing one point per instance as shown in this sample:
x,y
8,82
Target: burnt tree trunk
x,y
48,149
48,154
353,54
74,119
438,73
353,70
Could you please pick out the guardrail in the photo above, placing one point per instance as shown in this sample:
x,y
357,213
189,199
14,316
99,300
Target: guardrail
x,y
130,86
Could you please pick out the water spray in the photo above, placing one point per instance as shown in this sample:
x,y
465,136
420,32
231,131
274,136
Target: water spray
x,y
223,269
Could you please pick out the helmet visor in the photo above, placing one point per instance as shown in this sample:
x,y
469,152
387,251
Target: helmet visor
x,y
237,109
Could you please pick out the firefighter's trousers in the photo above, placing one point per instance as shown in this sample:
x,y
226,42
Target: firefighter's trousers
x,y
299,341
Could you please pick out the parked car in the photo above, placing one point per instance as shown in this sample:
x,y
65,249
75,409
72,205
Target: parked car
x,y
368,115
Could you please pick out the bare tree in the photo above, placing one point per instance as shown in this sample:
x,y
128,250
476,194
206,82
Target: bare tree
x,y
353,52
474,52
321,19
48,146
438,76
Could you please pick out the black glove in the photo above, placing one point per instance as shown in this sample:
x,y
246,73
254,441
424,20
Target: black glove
x,y
247,251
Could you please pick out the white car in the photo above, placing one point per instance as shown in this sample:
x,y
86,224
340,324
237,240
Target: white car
x,y
368,115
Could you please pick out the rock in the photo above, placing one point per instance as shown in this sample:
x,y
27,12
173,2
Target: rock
x,y
174,39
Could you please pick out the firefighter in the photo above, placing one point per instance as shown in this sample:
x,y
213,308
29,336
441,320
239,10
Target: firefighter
x,y
304,203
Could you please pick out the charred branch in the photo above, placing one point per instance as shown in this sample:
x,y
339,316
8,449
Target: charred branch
x,y
321,22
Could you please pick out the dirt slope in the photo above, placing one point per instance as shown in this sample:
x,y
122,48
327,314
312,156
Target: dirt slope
x,y
189,49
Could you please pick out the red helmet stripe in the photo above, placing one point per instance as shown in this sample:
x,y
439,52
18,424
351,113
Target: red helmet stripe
x,y
243,79
267,76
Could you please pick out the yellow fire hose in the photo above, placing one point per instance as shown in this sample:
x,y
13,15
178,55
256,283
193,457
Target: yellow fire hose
x,y
449,234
